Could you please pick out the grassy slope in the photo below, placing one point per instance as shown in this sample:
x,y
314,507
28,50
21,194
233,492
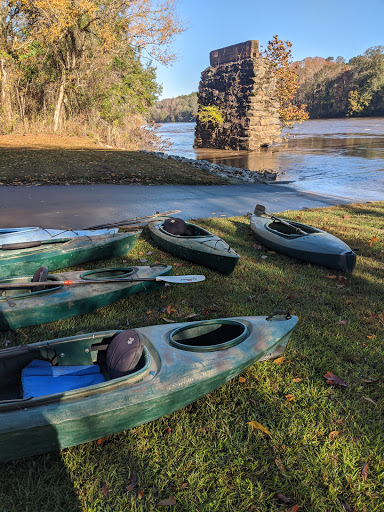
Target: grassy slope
x,y
50,160
206,455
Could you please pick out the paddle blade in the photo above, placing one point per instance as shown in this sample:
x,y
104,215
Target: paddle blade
x,y
180,279
259,209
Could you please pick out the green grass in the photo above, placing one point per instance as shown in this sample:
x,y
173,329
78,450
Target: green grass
x,y
206,455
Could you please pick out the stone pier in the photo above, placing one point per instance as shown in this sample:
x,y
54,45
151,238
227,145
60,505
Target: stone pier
x,y
240,86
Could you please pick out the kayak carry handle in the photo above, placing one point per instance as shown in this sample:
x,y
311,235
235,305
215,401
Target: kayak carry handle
x,y
287,314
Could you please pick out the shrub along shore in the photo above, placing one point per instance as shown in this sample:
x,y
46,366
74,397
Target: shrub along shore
x,y
324,450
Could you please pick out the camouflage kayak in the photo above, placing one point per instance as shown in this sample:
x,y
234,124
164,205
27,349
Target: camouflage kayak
x,y
198,245
21,308
303,242
25,258
178,365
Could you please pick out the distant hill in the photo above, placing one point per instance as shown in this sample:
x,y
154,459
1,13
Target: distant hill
x,y
182,109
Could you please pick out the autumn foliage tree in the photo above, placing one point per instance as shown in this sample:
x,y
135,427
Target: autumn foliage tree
x,y
74,46
279,55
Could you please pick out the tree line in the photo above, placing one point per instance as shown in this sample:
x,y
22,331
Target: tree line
x,y
328,87
82,66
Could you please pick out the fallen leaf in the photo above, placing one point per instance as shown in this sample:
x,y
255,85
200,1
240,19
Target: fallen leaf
x,y
331,277
347,217
371,337
341,278
280,465
102,440
333,379
289,397
105,490
184,485
333,434
264,257
178,264
364,472
132,484
370,380
279,360
242,380
140,495
348,302
255,424
295,508
192,315
369,400
309,265
283,498
149,312
297,380
168,310
168,320
168,502
342,322
373,241
253,402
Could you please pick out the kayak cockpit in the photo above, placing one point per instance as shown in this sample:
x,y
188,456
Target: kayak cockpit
x,y
290,230
25,292
209,336
109,273
187,230
50,370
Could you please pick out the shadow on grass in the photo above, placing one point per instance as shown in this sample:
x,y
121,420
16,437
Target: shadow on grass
x,y
207,455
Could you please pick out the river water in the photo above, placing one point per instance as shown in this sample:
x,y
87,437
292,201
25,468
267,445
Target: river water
x,y
341,157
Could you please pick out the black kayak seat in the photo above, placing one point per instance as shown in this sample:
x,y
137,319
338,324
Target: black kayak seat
x,y
124,353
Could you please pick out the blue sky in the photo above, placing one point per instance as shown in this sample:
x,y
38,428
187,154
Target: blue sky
x,y
320,28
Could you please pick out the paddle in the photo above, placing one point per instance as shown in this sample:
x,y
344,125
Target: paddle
x,y
165,279
142,220
260,210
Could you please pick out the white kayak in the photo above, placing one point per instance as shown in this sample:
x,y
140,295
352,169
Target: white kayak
x,y
32,234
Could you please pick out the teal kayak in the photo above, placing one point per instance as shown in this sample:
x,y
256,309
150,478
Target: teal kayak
x,y
25,258
199,246
179,364
21,308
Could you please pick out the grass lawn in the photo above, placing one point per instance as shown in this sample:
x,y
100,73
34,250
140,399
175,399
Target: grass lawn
x,y
54,160
326,448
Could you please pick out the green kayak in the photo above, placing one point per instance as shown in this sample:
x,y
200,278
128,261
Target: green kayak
x,y
178,365
303,242
24,258
20,308
197,245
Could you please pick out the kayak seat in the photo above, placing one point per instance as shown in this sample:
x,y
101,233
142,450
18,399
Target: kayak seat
x,y
40,276
176,226
40,378
123,353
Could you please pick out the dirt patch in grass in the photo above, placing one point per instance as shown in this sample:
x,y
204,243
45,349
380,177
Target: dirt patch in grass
x,y
52,159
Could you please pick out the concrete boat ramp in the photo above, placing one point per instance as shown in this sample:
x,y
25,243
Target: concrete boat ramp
x,y
79,206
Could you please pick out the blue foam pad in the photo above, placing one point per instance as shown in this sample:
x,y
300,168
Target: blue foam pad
x,y
39,378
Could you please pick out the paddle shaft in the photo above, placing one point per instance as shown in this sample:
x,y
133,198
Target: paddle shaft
x,y
142,220
42,284
261,210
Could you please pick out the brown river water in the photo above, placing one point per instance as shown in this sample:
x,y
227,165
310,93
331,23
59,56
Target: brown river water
x,y
342,157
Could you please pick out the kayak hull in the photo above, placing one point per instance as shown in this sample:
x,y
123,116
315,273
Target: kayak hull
x,y
21,308
316,246
204,248
168,379
58,255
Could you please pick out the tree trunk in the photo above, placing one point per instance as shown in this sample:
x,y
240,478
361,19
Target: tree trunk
x,y
59,104
6,104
